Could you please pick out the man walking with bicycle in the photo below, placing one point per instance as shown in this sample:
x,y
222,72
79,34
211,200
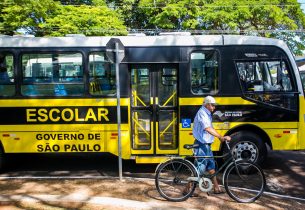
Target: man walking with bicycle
x,y
204,135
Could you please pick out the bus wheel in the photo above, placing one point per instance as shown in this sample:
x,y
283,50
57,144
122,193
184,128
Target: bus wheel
x,y
248,146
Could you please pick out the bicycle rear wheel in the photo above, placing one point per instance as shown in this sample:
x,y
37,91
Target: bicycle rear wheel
x,y
173,179
244,182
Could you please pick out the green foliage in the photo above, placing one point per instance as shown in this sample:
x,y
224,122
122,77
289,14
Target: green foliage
x,y
97,21
25,15
172,14
276,18
75,2
50,18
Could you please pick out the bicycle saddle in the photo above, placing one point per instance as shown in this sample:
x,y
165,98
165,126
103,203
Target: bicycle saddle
x,y
190,146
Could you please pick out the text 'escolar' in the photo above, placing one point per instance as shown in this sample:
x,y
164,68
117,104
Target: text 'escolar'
x,y
66,115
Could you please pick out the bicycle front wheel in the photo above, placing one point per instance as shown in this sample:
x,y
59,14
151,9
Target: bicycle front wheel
x,y
244,181
173,180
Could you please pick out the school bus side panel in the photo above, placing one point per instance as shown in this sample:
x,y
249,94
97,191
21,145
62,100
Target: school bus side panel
x,y
63,125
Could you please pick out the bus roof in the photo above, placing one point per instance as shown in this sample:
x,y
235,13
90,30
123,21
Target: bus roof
x,y
139,41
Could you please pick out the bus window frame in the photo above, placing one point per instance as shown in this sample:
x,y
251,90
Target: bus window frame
x,y
88,53
288,66
53,51
293,81
302,77
15,71
219,61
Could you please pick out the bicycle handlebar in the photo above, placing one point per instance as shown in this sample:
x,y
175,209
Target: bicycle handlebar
x,y
228,145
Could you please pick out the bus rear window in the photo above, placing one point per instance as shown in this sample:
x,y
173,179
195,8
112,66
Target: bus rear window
x,y
52,74
7,86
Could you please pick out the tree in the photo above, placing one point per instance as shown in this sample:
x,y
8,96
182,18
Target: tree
x,y
50,18
83,2
85,20
131,13
277,18
75,2
25,15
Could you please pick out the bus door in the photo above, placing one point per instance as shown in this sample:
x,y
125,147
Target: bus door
x,y
154,109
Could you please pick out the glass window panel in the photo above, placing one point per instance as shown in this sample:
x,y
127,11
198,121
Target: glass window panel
x,y
302,74
140,87
167,87
52,74
204,72
7,81
102,75
168,130
267,81
264,76
141,130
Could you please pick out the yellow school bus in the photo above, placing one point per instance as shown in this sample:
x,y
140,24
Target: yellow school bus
x,y
58,95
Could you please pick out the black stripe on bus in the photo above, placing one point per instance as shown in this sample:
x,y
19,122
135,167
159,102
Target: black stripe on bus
x,y
62,115
243,113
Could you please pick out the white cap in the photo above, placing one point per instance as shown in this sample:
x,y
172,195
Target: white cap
x,y
209,100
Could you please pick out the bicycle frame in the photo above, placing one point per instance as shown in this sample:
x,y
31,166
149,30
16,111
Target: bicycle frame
x,y
230,159
190,174
224,165
229,155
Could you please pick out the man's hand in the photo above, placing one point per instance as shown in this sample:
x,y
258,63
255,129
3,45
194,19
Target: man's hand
x,y
226,138
213,132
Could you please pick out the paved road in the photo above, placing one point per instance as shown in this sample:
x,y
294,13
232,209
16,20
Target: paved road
x,y
285,172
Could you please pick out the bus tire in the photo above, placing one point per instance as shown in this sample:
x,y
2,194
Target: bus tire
x,y
248,146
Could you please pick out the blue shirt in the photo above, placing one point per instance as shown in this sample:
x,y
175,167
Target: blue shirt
x,y
203,120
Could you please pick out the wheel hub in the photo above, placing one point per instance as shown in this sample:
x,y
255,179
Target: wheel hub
x,y
176,180
246,151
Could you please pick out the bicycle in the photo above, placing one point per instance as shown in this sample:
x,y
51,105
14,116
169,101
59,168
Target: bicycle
x,y
177,177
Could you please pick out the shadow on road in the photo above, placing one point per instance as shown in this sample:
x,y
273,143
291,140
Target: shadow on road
x,y
73,165
284,170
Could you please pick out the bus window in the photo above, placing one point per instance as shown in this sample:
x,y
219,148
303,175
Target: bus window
x,y
140,87
102,75
264,76
168,87
267,81
204,72
7,86
302,74
52,74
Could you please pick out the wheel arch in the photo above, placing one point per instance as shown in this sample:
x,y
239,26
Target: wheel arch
x,y
2,154
254,129
1,147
